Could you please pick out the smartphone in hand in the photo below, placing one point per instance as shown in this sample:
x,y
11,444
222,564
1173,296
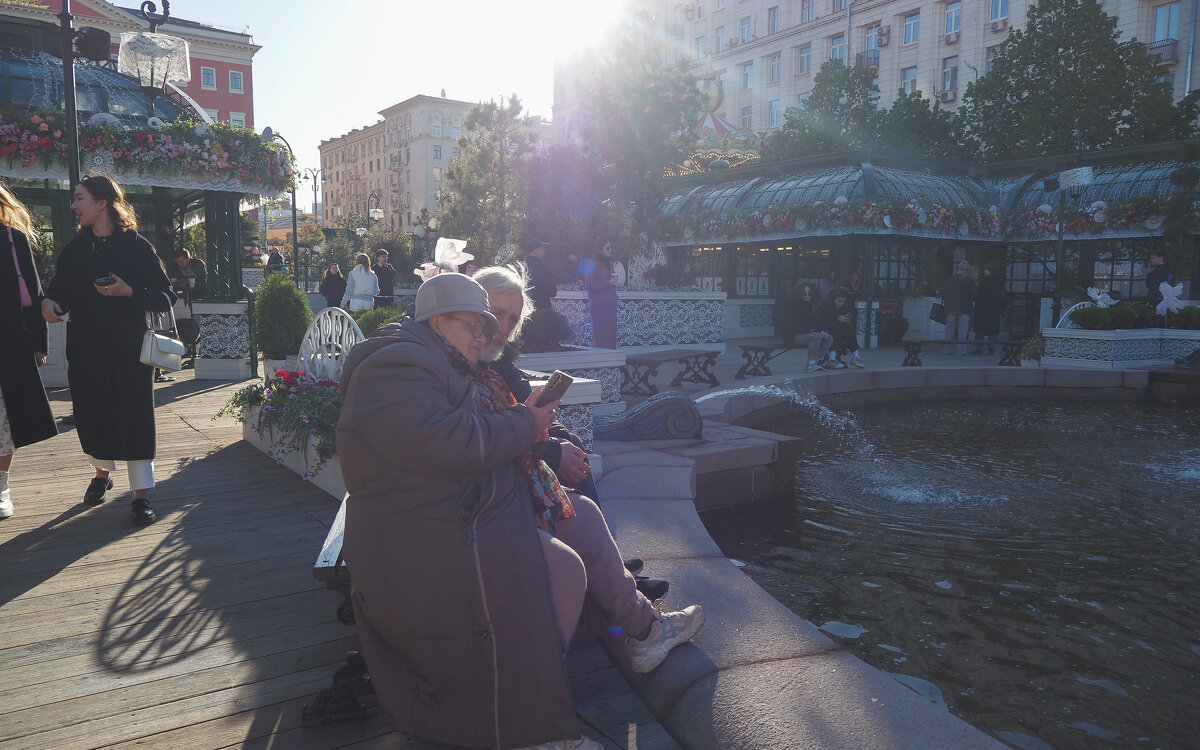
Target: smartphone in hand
x,y
555,387
105,281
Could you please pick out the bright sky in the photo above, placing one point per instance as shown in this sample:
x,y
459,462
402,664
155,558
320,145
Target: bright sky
x,y
327,67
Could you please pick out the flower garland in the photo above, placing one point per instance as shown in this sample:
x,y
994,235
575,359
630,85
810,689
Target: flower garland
x,y
183,148
293,409
919,215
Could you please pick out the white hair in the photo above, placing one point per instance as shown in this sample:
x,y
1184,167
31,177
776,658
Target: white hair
x,y
512,279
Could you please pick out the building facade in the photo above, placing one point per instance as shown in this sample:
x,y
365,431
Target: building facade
x,y
222,69
765,53
398,164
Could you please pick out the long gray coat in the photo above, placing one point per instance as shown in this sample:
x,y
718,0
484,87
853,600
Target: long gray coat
x,y
450,589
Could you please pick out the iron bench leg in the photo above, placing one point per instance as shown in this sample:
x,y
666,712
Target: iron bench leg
x,y
695,370
1010,356
756,362
635,378
912,354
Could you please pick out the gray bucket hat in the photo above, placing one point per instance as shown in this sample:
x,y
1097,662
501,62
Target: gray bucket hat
x,y
453,292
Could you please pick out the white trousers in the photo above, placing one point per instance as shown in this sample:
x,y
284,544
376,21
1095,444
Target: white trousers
x,y
141,473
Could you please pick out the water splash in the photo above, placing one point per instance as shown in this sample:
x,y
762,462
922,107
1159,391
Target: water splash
x,y
844,426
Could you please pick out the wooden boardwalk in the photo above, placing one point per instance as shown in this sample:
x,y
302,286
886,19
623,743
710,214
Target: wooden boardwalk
x,y
205,629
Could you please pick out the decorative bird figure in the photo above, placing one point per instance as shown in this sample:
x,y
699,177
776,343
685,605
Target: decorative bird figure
x,y
1100,298
1170,298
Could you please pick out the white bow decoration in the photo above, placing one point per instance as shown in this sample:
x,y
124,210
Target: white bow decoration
x,y
427,271
449,253
1170,298
1100,298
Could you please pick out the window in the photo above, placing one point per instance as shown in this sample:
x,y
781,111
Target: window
x,y
720,4
720,35
701,46
1166,22
991,57
804,60
721,80
953,16
208,78
873,39
950,74
908,80
837,47
437,152
748,75
435,128
235,82
912,28
773,19
807,12
802,99
747,117
455,152
775,67
437,174
213,114
839,5
455,132
747,29
774,114
999,9
699,10
237,118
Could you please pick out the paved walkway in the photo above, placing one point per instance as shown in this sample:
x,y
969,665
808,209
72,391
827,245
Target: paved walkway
x,y
205,629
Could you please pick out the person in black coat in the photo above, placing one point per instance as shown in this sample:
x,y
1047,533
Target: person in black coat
x,y
333,286
835,314
958,295
25,416
386,274
600,283
109,277
990,300
1159,272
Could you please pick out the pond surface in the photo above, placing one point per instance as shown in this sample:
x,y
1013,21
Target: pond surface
x,y
1034,563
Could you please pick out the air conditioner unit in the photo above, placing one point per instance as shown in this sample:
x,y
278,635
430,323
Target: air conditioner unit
x,y
1000,24
885,36
952,37
732,43
948,95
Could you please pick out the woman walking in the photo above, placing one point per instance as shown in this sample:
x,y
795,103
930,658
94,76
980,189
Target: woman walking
x,y
109,277
25,416
361,287
989,303
600,283
333,286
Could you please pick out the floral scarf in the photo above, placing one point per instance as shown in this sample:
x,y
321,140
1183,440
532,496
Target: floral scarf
x,y
550,500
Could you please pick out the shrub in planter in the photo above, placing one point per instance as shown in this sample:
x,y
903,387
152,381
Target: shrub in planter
x,y
1118,316
371,320
1188,318
281,316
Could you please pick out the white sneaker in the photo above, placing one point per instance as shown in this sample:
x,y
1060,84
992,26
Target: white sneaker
x,y
6,509
666,632
856,362
583,743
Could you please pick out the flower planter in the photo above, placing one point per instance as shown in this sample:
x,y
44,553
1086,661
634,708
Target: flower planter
x,y
1105,350
329,479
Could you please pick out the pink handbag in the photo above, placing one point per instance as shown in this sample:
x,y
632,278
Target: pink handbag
x,y
26,300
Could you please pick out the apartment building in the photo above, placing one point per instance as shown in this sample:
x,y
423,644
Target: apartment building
x,y
765,53
222,60
398,164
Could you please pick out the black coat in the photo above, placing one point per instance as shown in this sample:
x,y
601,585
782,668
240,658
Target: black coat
x,y
22,332
989,301
333,288
111,390
387,278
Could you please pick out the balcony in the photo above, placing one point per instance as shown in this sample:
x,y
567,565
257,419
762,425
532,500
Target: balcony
x,y
1167,50
868,59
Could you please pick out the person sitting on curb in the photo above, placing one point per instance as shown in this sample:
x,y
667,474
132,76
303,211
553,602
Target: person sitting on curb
x,y
508,296
804,320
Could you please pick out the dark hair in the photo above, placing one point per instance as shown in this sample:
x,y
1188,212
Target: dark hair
x,y
329,271
182,253
811,289
1158,254
599,245
380,251
362,259
103,188
991,267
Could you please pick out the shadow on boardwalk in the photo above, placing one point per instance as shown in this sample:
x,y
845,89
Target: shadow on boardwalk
x,y
205,629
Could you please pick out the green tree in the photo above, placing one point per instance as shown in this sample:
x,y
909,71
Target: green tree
x,y
635,116
840,115
485,199
1068,70
916,125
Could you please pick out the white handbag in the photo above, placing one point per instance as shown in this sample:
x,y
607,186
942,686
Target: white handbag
x,y
161,351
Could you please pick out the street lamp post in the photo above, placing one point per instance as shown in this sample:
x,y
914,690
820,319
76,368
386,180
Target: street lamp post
x,y
1073,181
374,213
94,44
268,135
313,174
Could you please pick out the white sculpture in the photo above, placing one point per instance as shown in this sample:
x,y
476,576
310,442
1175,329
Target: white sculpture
x,y
1170,298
